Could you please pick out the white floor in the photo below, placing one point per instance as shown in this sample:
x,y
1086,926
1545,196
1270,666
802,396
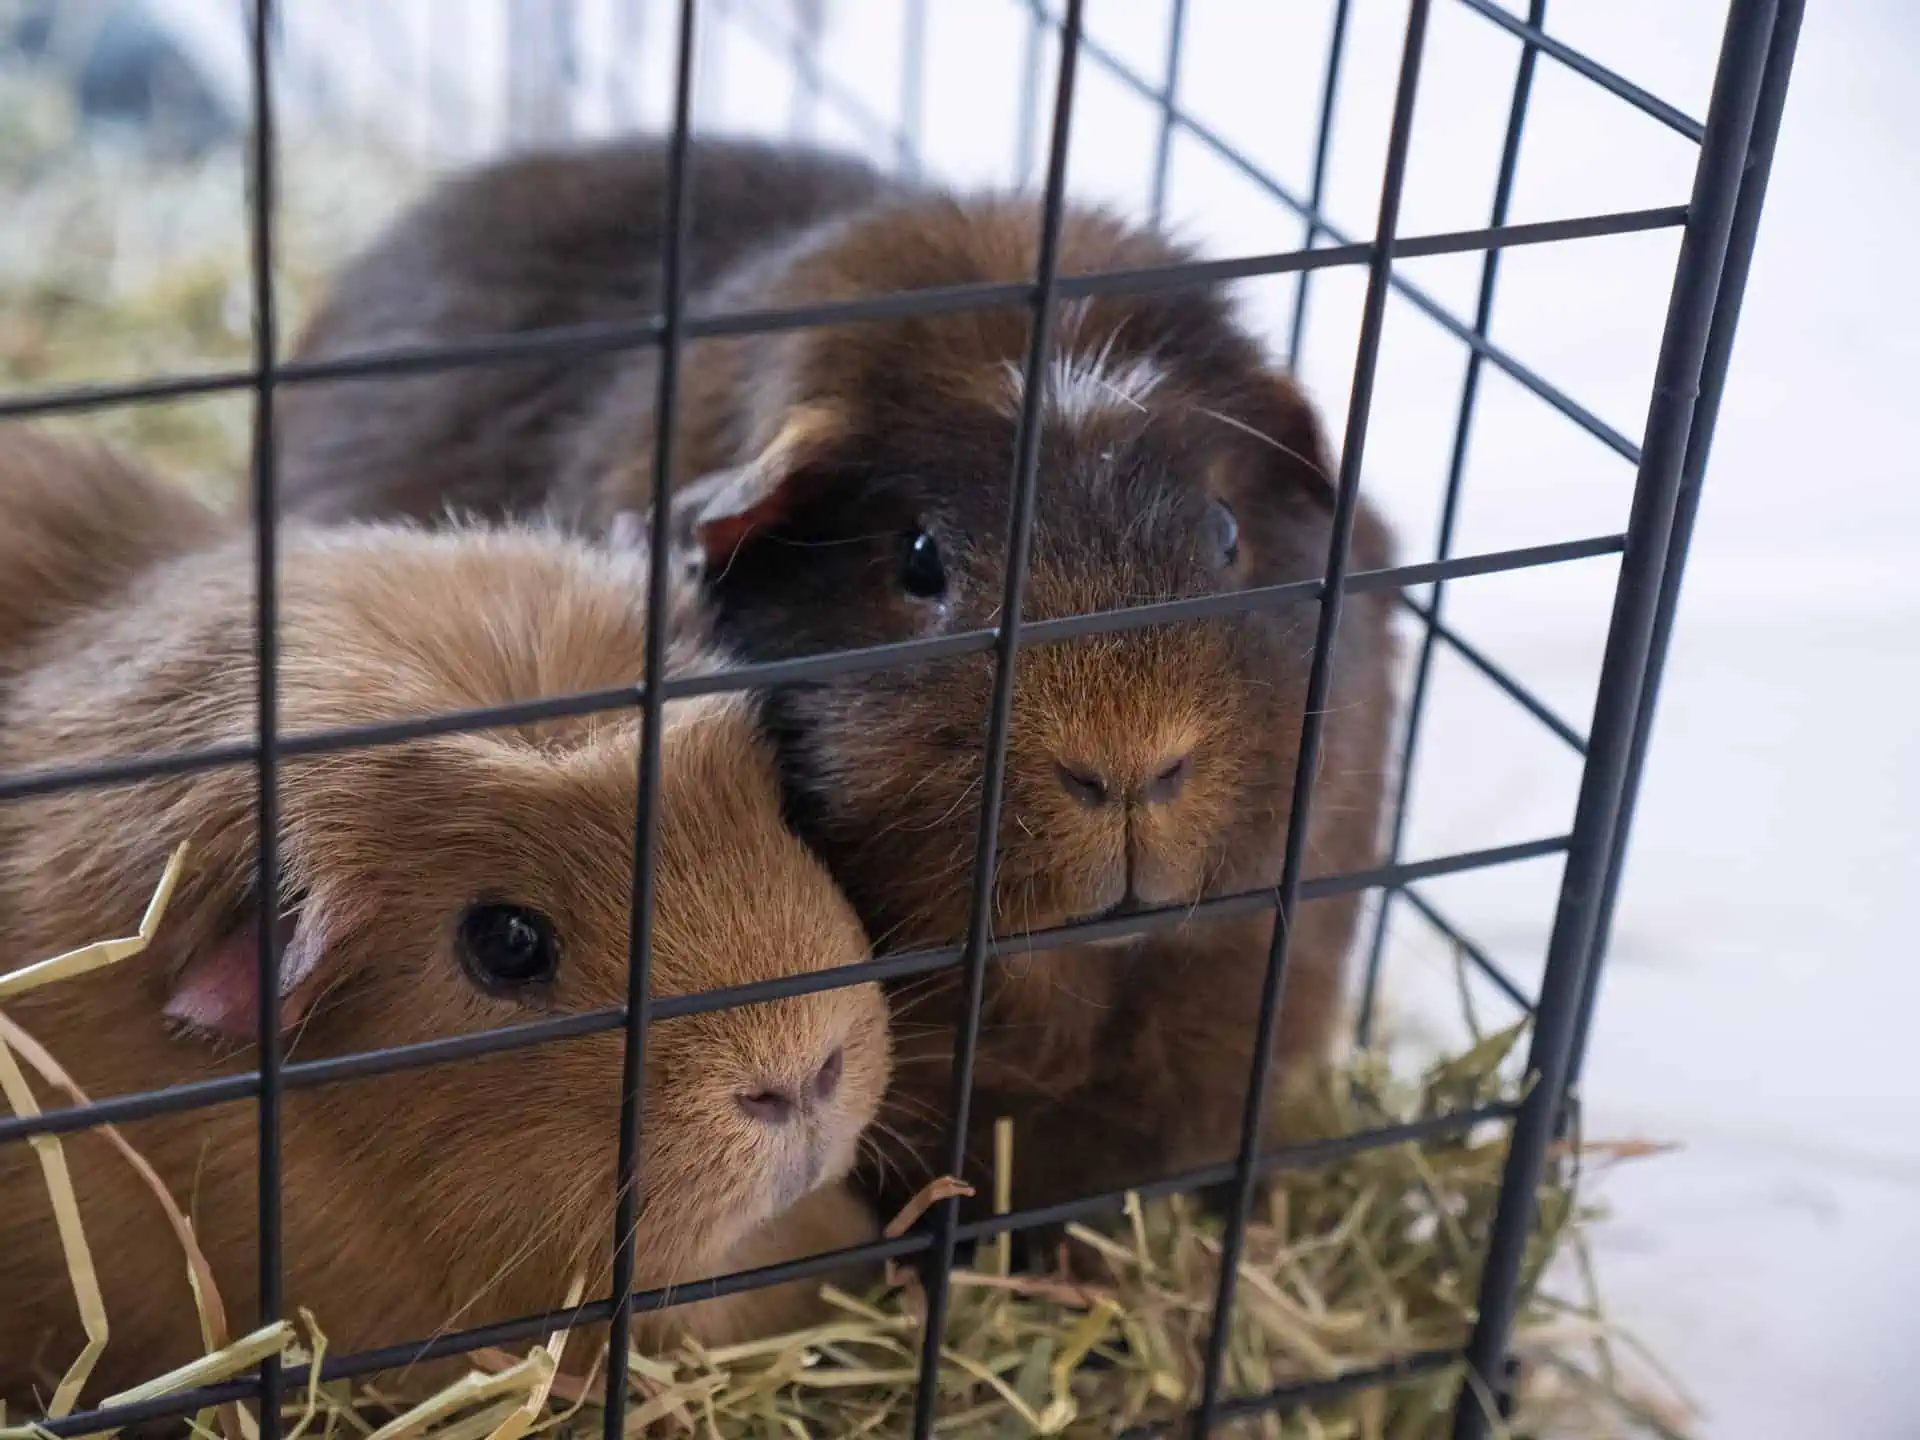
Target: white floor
x,y
1763,982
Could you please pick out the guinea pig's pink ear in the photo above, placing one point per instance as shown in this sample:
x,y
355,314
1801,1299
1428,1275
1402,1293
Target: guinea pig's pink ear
x,y
217,992
719,511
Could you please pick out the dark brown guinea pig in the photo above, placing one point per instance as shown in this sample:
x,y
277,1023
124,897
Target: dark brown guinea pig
x,y
850,486
523,244
428,889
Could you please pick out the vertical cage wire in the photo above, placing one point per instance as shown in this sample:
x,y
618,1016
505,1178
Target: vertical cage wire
x,y
803,45
1704,249
1027,128
979,942
1316,194
1726,320
633,1077
266,624
913,88
1332,595
1449,515
1169,110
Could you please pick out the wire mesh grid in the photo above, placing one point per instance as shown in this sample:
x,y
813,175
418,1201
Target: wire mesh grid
x,y
1717,223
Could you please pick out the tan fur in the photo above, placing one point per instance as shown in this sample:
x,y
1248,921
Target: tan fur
x,y
1117,1063
435,1198
1120,1063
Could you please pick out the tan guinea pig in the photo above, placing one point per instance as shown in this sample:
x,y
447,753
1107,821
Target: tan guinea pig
x,y
851,486
428,889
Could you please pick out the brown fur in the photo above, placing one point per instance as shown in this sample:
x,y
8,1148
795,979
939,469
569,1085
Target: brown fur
x,y
805,458
438,1197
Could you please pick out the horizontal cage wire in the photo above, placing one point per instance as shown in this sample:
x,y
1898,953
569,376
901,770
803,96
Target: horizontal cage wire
x,y
555,77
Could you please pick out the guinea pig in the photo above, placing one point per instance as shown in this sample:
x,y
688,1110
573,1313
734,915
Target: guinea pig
x,y
427,889
527,243
849,485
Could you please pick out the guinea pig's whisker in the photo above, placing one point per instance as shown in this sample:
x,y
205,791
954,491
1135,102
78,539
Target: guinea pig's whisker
x,y
794,544
506,1267
1265,439
889,1168
939,822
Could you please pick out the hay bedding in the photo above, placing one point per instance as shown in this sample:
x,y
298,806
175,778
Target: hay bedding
x,y
1348,1267
1345,1268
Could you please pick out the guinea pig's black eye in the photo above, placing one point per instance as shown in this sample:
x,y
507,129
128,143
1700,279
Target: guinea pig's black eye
x,y
1223,532
921,572
508,948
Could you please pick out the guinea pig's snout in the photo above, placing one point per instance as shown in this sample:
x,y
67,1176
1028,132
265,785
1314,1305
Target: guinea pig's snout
x,y
773,1102
1093,784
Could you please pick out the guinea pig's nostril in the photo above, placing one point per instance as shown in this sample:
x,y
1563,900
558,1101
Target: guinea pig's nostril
x,y
1082,782
827,1079
770,1106
1166,784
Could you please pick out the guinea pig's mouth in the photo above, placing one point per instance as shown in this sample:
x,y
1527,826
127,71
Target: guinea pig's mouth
x,y
1126,906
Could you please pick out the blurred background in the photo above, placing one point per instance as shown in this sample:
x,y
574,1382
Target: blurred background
x,y
1762,981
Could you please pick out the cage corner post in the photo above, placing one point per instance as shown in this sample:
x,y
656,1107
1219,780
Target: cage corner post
x,y
1726,319
1727,152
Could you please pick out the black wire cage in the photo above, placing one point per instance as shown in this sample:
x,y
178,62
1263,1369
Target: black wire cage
x,y
1717,223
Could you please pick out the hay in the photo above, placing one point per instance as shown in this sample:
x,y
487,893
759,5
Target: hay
x,y
1347,1267
48,1149
117,266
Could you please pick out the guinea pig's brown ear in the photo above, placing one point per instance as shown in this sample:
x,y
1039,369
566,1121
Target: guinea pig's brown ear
x,y
217,992
717,512
1282,420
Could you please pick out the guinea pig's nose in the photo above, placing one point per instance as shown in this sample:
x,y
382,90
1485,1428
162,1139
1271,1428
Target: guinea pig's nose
x,y
826,1080
1083,782
1169,778
778,1104
775,1105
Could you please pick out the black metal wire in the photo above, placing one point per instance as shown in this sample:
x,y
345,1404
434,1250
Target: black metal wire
x,y
1317,190
633,1070
1533,33
1027,128
803,50
1527,377
598,1312
1477,957
1449,518
1035,376
609,338
800,45
51,779
266,640
1303,1393
1445,634
913,88
1683,354
305,1074
1721,220
1726,319
1169,100
1319,687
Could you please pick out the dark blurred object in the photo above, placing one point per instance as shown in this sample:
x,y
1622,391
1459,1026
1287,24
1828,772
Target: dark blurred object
x,y
126,70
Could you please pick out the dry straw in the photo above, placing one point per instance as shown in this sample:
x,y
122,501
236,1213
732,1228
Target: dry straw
x,y
1347,1267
